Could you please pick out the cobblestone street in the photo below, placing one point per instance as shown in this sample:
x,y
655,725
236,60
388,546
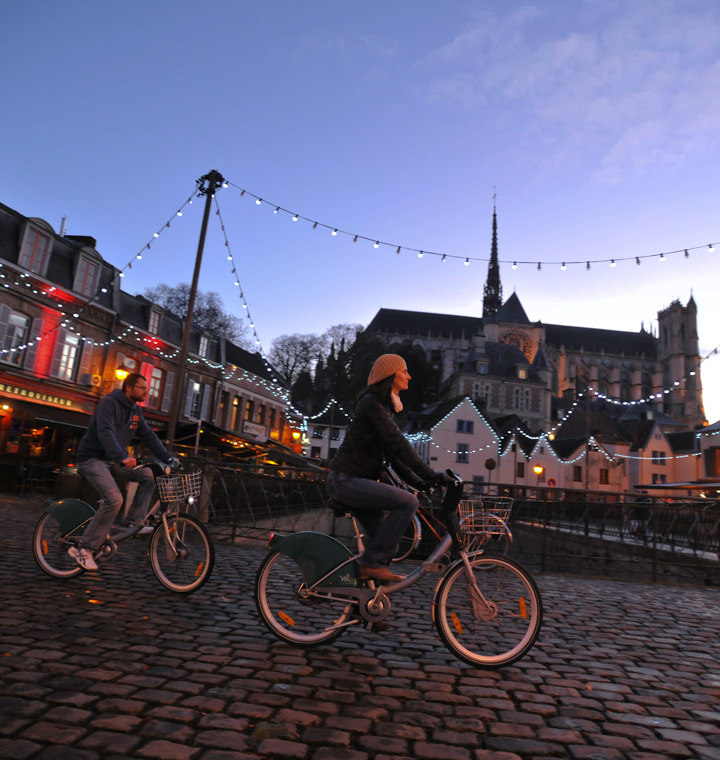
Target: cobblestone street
x,y
112,666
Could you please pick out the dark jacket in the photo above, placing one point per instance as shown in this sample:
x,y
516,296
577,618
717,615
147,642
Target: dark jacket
x,y
374,439
115,423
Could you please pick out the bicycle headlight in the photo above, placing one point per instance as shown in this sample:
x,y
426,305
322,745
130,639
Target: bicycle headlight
x,y
190,499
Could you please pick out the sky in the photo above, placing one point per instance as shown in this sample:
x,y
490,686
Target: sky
x,y
592,127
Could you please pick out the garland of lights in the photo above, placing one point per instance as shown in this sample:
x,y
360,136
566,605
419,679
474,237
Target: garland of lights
x,y
335,231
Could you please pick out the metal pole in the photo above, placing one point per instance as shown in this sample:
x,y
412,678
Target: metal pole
x,y
207,186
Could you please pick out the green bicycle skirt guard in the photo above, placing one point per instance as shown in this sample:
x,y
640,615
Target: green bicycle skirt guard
x,y
316,555
71,514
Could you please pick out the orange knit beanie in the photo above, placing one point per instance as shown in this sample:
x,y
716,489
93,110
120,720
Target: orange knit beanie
x,y
385,365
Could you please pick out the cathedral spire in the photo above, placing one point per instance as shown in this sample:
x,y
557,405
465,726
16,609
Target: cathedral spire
x,y
492,295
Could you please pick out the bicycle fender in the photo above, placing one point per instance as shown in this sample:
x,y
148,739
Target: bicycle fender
x,y
70,513
316,555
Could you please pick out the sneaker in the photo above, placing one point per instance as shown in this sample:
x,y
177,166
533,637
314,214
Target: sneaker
x,y
83,557
145,530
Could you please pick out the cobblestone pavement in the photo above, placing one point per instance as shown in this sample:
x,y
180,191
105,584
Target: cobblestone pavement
x,y
112,666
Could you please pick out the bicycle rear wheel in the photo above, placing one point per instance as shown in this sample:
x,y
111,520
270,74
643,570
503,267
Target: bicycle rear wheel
x,y
289,611
498,626
51,550
183,560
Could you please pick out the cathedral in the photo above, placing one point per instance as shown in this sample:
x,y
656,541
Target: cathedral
x,y
509,365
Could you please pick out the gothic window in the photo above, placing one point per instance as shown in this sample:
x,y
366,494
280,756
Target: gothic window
x,y
520,340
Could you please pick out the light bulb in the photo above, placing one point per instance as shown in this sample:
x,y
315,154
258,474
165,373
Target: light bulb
x,y
514,266
612,262
258,201
662,257
295,217
179,213
334,233
420,254
711,248
467,262
155,234
563,267
376,244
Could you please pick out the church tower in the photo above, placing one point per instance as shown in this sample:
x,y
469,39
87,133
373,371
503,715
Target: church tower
x,y
492,295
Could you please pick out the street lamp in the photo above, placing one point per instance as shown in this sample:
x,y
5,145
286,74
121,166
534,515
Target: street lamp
x,y
538,469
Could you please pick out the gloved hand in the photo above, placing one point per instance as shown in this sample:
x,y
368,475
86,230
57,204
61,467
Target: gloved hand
x,y
173,463
438,479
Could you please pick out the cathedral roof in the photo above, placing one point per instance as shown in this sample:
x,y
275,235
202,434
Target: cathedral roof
x,y
512,311
598,340
420,323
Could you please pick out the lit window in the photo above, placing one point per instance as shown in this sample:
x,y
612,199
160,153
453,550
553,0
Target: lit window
x,y
154,386
202,351
66,352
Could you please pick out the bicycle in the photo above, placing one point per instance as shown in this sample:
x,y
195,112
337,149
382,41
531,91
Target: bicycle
x,y
487,608
180,550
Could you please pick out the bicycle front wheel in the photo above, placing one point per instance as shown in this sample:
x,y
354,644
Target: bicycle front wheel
x,y
182,559
492,616
51,550
409,541
290,611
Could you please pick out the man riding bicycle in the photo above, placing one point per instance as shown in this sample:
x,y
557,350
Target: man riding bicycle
x,y
102,459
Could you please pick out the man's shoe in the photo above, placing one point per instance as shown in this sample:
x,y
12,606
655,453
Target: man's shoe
x,y
83,557
379,574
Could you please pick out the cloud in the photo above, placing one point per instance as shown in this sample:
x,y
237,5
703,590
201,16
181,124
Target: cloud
x,y
631,85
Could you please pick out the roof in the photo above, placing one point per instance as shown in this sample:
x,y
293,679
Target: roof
x,y
401,322
597,340
503,359
252,362
512,311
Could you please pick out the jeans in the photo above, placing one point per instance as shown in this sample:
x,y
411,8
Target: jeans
x,y
368,499
102,476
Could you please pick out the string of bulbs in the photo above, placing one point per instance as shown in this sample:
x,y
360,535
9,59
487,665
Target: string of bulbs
x,y
398,248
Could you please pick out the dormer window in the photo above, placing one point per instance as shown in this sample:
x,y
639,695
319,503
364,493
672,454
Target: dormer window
x,y
522,373
35,247
154,324
87,273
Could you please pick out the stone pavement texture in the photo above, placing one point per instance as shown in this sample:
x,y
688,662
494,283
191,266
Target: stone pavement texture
x,y
112,666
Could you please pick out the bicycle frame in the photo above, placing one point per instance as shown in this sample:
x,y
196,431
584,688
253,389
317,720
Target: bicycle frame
x,y
310,549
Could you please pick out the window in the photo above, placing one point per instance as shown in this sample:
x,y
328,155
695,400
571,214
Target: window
x,y
463,453
482,368
154,324
86,275
249,410
14,331
315,452
604,476
521,469
317,432
577,473
154,382
235,419
66,352
477,483
35,251
261,414
197,399
334,434
203,350
465,426
522,373
659,457
658,478
482,391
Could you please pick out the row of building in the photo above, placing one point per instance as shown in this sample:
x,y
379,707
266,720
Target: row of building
x,y
68,336
518,402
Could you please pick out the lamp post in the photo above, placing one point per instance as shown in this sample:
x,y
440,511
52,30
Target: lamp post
x,y
206,186
538,469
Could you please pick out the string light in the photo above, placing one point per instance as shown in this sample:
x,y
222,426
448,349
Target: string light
x,y
377,243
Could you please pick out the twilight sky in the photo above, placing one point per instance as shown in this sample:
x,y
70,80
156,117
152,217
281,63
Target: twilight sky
x,y
597,124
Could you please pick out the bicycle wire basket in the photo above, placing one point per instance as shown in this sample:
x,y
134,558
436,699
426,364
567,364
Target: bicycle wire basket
x,y
180,486
480,516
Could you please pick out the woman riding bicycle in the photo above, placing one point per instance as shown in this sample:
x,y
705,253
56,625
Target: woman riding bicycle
x,y
373,439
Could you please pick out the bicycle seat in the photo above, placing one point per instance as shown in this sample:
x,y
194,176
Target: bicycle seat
x,y
339,508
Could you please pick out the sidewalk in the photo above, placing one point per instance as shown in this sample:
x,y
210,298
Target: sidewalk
x,y
112,666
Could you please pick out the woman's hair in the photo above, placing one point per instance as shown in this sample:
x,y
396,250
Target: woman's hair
x,y
381,389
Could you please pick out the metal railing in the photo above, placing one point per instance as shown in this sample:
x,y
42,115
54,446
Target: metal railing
x,y
610,534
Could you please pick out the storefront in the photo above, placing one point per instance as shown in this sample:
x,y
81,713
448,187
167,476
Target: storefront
x,y
40,428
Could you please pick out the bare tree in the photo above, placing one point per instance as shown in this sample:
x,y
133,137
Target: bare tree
x,y
208,311
342,336
294,354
